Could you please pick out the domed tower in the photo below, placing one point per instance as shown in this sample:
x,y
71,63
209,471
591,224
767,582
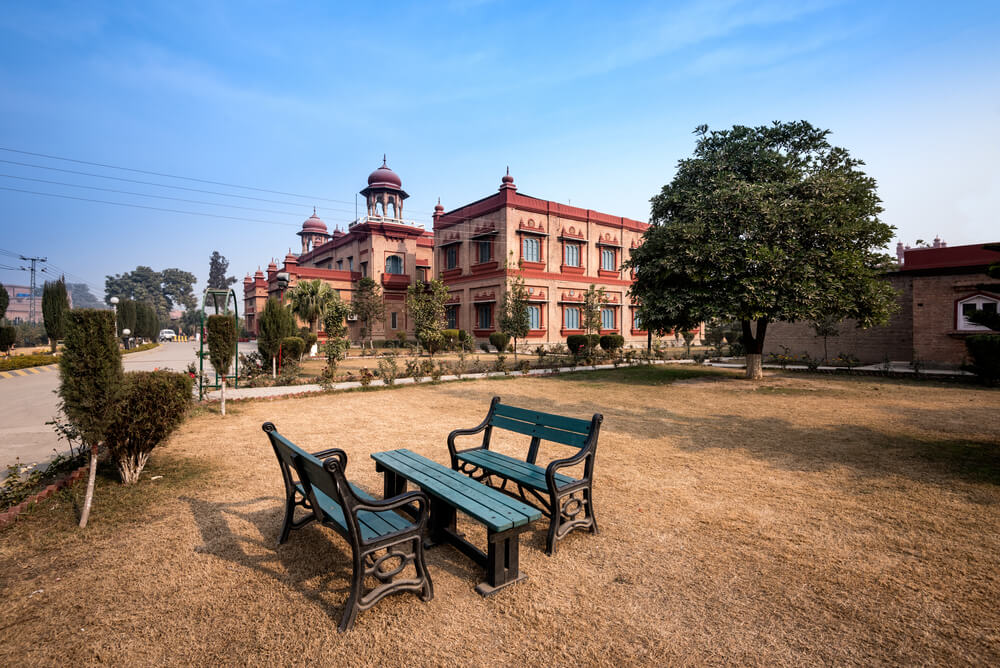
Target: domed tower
x,y
313,233
384,191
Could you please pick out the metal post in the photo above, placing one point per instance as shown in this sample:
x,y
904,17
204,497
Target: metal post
x,y
31,304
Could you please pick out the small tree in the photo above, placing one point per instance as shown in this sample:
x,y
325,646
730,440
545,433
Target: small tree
x,y
425,304
368,306
4,301
276,323
222,334
152,405
590,315
514,320
55,306
826,326
309,300
90,371
126,316
336,332
217,267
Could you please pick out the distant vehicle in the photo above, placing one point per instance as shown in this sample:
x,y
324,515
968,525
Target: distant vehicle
x,y
167,335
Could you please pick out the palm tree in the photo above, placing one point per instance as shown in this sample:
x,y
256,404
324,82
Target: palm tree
x,y
309,300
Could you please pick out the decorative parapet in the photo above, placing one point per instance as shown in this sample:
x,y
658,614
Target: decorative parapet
x,y
531,227
608,239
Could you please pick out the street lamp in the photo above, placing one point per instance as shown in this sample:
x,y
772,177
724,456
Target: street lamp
x,y
126,332
114,304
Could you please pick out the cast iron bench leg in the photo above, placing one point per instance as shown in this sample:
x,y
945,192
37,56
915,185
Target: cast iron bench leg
x,y
502,560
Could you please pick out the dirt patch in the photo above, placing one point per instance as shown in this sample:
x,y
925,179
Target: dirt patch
x,y
852,522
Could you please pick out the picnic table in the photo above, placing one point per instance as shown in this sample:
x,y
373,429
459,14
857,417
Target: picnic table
x,y
504,517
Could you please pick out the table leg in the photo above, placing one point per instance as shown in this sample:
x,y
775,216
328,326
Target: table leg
x,y
501,560
392,484
441,523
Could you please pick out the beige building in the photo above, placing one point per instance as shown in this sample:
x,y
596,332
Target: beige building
x,y
560,251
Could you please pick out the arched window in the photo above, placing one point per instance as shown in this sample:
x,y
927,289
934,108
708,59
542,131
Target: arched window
x,y
571,318
393,264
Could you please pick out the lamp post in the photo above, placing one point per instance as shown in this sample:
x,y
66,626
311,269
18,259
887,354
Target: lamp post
x,y
114,305
282,284
126,332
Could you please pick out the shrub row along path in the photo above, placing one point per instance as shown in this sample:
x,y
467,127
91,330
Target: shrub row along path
x,y
30,401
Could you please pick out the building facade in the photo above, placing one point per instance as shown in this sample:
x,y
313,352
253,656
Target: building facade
x,y
559,250
936,287
475,249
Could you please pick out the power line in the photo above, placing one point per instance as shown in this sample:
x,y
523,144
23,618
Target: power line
x,y
172,176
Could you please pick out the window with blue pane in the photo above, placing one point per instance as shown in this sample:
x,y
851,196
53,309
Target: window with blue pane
x,y
484,315
483,251
394,264
534,317
532,251
607,318
572,255
451,313
608,260
451,257
636,321
571,318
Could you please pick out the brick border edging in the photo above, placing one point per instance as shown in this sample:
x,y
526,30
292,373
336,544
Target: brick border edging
x,y
8,516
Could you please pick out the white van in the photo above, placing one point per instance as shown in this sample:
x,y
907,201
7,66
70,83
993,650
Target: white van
x,y
167,335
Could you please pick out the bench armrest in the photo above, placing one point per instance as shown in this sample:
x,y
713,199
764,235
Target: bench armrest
x,y
416,496
556,464
335,453
469,432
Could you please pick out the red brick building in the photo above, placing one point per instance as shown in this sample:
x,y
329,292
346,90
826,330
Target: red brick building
x,y
938,287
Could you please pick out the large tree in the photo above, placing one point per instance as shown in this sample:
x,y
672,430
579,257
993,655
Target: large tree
x,y
762,224
310,299
425,304
368,306
55,306
162,289
218,265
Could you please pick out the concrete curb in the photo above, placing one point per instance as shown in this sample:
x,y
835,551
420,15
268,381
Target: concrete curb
x,y
29,371
10,515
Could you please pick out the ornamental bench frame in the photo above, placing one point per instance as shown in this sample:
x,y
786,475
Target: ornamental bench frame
x,y
367,524
560,498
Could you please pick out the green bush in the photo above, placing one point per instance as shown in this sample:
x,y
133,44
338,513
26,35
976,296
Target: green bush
x,y
612,342
26,361
309,337
8,336
292,348
90,370
499,340
984,349
431,341
451,338
576,343
221,334
139,348
29,334
151,406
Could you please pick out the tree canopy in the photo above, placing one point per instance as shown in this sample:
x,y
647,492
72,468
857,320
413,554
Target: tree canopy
x,y
762,224
310,299
55,306
368,306
276,323
83,297
218,265
425,304
161,289
513,319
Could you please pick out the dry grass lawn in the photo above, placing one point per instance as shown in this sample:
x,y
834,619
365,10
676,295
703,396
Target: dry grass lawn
x,y
805,519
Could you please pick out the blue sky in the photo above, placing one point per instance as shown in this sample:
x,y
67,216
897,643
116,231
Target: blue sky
x,y
588,103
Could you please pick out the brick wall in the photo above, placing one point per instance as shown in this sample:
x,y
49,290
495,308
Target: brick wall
x,y
936,339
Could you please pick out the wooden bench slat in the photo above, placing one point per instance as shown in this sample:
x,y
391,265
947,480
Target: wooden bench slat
x,y
508,505
545,419
372,525
514,469
541,431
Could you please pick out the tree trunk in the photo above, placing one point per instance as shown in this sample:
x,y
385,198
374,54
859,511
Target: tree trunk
x,y
515,350
223,396
89,498
274,367
754,345
130,467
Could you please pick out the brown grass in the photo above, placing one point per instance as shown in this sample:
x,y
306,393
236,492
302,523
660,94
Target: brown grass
x,y
801,520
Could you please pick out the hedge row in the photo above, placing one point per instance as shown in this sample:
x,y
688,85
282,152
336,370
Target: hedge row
x,y
26,361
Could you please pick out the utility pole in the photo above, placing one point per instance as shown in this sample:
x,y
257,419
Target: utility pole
x,y
31,304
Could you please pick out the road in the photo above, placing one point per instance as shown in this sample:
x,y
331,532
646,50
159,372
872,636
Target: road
x,y
28,402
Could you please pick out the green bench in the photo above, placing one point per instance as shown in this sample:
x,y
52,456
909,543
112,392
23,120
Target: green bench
x,y
567,501
382,542
504,517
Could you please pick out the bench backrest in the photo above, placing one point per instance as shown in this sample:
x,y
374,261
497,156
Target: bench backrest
x,y
543,426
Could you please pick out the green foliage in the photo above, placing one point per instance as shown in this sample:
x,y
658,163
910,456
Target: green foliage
x,y
140,348
450,338
292,348
276,323
147,323
985,319
513,319
127,315
310,299
82,296
500,341
90,369
388,368
23,481
218,265
336,331
309,337
221,335
762,224
4,301
55,306
368,306
612,342
577,343
425,304
8,336
161,289
23,361
151,406
984,350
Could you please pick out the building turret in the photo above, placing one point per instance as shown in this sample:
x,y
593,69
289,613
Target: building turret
x,y
384,190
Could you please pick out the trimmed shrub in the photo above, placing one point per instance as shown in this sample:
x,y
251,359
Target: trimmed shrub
x,y
8,336
984,349
499,340
451,338
576,343
292,348
221,334
26,361
309,337
612,342
152,405
90,372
